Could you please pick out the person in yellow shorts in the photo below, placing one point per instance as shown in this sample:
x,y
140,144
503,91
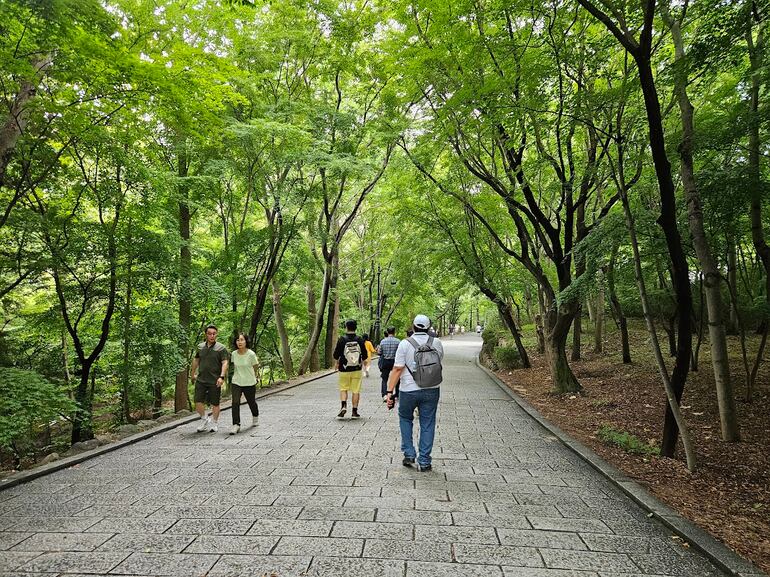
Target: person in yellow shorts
x,y
370,352
350,354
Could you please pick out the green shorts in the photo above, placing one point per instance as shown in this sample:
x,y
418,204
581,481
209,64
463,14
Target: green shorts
x,y
205,393
351,381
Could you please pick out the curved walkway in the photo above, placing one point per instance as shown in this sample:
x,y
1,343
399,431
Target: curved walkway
x,y
304,494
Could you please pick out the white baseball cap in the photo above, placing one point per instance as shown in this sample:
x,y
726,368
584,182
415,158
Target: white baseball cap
x,y
421,322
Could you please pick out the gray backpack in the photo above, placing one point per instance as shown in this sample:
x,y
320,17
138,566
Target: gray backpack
x,y
427,372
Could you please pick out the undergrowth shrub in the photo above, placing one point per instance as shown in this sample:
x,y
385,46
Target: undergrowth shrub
x,y
626,441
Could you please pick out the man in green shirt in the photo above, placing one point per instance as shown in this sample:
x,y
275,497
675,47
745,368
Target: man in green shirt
x,y
209,369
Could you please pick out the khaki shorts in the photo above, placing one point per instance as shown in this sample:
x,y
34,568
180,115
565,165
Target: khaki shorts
x,y
351,382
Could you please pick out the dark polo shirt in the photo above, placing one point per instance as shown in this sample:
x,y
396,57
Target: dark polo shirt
x,y
210,361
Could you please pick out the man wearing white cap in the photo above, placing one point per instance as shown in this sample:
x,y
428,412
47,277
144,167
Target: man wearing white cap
x,y
421,356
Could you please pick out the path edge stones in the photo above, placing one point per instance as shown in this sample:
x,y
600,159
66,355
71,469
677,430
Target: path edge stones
x,y
717,552
26,476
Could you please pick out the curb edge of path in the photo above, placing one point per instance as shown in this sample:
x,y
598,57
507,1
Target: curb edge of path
x,y
717,552
66,462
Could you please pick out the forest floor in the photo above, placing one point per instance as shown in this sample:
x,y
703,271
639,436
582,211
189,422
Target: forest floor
x,y
729,493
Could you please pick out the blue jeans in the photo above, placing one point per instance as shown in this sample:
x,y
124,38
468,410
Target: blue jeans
x,y
426,400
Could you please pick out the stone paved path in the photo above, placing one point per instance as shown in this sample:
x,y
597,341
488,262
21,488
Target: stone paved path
x,y
305,494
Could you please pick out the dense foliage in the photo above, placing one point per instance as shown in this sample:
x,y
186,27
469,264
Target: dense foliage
x,y
276,167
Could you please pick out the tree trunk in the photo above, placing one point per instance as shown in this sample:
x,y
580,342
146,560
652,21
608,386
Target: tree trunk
x,y
671,397
617,309
288,366
127,329
577,329
556,328
181,391
82,426
315,361
317,321
332,315
510,323
599,322
668,222
732,281
712,275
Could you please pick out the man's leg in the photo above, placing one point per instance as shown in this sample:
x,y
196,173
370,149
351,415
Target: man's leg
x,y
201,410
200,407
406,407
344,386
428,405
355,389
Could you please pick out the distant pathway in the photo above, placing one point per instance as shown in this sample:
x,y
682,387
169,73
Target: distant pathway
x,y
303,494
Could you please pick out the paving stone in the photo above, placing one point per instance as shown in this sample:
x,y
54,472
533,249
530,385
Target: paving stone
x,y
674,565
131,526
63,542
392,531
354,567
497,555
10,538
50,524
138,511
414,550
160,564
258,512
541,538
310,501
309,528
411,516
441,534
451,506
220,544
427,569
338,513
211,526
386,502
498,520
68,562
588,560
260,565
332,547
147,543
15,559
530,572
571,525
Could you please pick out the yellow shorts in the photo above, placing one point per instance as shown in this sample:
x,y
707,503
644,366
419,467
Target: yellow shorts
x,y
351,382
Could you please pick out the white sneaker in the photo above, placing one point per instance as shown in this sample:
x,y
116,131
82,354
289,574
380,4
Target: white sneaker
x,y
204,424
366,373
251,421
234,429
213,428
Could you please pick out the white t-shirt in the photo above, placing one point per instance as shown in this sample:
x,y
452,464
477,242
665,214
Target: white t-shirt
x,y
243,365
405,358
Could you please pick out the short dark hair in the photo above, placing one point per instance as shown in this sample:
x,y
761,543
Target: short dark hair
x,y
238,336
365,336
211,327
351,324
390,331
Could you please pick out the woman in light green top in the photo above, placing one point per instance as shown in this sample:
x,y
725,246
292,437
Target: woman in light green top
x,y
245,365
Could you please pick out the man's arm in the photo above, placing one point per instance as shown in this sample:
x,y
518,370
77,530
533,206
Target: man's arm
x,y
223,371
395,375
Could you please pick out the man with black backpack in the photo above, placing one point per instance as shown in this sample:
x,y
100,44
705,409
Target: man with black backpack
x,y
421,356
350,354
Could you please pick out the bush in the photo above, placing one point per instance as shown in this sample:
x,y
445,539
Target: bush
x,y
626,441
507,357
28,402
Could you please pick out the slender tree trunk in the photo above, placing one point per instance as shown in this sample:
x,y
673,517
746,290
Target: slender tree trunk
x,y
332,315
315,362
82,424
732,281
599,322
617,308
673,402
577,330
318,320
510,323
712,275
181,391
127,327
288,366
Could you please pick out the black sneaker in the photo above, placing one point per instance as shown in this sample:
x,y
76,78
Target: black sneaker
x,y
424,468
342,412
407,462
355,414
